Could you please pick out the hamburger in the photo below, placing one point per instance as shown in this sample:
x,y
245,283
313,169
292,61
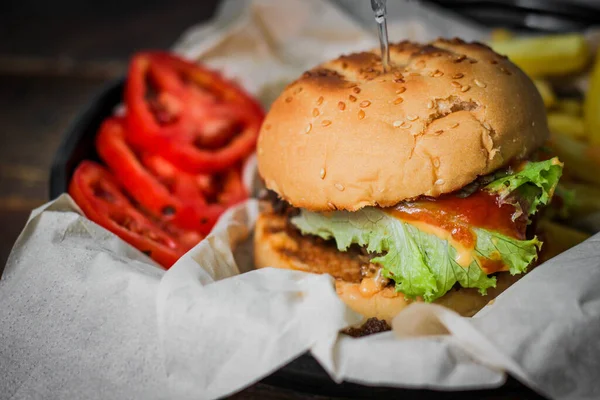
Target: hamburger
x,y
420,182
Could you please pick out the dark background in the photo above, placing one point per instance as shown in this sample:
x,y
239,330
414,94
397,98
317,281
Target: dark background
x,y
54,55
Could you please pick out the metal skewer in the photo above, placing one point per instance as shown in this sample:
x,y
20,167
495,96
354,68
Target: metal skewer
x,y
379,9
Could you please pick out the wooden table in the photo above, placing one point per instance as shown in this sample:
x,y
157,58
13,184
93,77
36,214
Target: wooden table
x,y
52,61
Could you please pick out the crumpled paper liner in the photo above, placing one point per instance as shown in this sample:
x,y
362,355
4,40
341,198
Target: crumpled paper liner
x,y
78,315
234,325
86,314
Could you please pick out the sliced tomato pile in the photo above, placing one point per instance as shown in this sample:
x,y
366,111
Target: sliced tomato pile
x,y
192,116
173,161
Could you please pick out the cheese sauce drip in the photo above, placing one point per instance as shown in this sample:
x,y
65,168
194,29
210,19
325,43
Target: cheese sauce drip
x,y
453,218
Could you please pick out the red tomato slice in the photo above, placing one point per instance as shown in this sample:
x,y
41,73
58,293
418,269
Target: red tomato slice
x,y
98,194
191,202
204,197
190,115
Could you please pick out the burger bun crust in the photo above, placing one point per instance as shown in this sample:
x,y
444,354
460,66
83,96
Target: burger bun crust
x,y
347,135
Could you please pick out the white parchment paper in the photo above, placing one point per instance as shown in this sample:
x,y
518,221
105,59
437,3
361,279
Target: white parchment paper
x,y
84,315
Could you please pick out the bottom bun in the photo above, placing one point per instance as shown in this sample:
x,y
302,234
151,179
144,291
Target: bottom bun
x,y
278,244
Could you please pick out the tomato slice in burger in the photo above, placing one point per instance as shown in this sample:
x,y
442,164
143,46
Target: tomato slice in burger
x,y
191,202
95,190
190,115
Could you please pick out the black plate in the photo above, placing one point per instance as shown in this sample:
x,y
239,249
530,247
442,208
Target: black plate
x,y
303,374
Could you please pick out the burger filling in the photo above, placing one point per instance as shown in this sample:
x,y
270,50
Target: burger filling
x,y
426,246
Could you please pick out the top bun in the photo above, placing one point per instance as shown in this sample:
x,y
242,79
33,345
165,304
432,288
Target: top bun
x,y
347,135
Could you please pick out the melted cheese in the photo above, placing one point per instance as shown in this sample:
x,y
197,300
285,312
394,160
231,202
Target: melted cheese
x,y
464,255
372,285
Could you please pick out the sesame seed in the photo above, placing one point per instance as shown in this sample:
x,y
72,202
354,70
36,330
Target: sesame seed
x,y
398,74
487,126
397,124
322,173
455,84
430,104
457,76
439,132
260,150
320,101
315,112
414,74
361,114
412,117
365,103
298,90
533,123
437,74
439,182
352,98
460,58
472,61
405,125
454,125
342,105
507,72
401,90
331,206
326,122
287,100
398,80
465,88
356,90
308,128
398,100
339,187
436,162
479,83
420,64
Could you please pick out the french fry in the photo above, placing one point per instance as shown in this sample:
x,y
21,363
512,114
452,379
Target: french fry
x,y
567,125
546,55
546,92
586,199
570,106
581,160
558,238
501,34
591,107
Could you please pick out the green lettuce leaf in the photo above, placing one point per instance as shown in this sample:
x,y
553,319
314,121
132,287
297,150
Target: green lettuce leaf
x,y
421,264
424,265
530,187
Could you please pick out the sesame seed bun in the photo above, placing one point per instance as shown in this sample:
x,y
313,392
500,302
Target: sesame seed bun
x,y
347,135
275,245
